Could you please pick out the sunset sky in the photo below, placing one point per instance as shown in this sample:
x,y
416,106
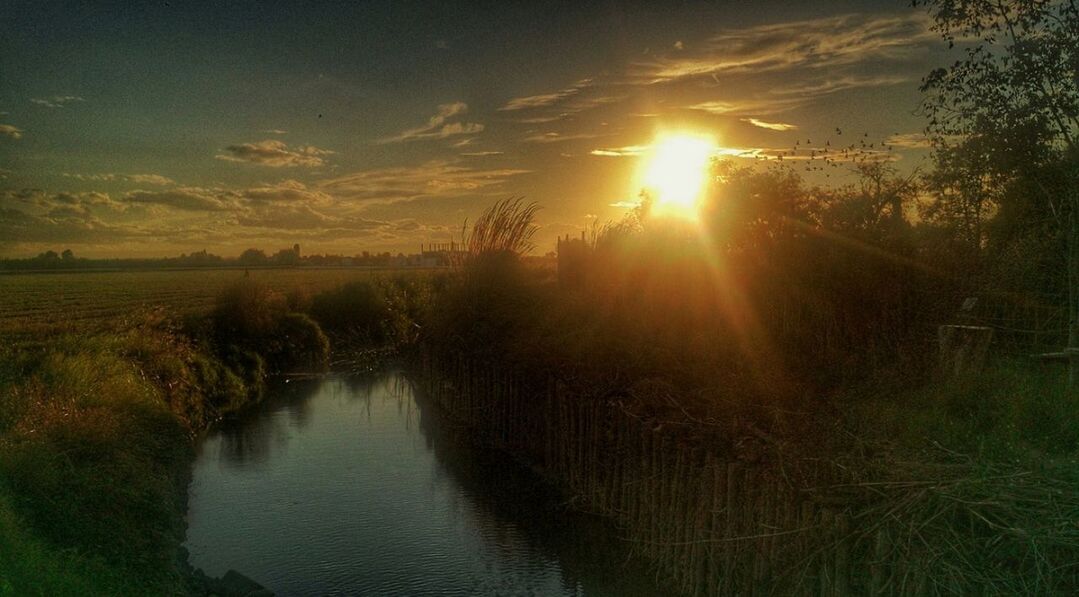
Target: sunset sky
x,y
179,126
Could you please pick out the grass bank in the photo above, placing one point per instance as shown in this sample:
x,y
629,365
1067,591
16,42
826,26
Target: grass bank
x,y
97,428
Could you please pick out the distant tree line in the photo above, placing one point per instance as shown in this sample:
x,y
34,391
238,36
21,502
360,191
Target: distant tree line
x,y
67,260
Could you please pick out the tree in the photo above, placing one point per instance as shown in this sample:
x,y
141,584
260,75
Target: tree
x,y
1017,94
67,255
253,257
874,209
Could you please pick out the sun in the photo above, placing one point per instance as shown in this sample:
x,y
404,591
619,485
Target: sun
x,y
675,174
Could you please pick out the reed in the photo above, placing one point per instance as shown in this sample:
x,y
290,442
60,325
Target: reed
x,y
505,227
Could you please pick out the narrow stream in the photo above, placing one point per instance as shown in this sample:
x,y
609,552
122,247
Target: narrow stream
x,y
352,487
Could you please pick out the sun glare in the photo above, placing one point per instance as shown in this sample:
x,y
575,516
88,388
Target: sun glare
x,y
675,174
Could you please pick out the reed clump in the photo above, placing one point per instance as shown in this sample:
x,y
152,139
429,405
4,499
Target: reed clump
x,y
800,364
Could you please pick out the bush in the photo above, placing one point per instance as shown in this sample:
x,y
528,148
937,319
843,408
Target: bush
x,y
248,309
298,341
354,309
255,330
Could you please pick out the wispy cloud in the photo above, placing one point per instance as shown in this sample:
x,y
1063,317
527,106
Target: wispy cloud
x,y
759,106
153,179
56,101
552,137
275,154
619,152
184,198
833,84
815,43
302,217
909,141
286,191
545,99
438,178
10,131
438,127
772,126
275,132
820,154
785,98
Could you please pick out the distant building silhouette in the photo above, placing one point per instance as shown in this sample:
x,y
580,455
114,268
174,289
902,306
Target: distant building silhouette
x,y
573,258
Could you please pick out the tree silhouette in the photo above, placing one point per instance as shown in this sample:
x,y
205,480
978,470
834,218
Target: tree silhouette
x,y
1016,97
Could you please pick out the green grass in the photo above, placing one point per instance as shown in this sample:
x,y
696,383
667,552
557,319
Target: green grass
x,y
93,467
1013,411
29,566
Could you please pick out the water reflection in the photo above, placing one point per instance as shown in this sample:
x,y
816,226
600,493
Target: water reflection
x,y
349,486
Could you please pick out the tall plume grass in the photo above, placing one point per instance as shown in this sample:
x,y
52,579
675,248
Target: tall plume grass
x,y
505,227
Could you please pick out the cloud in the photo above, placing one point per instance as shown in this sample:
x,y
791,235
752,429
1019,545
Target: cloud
x,y
437,127
791,96
618,152
436,178
154,179
33,215
760,106
815,43
69,226
275,154
275,132
552,137
57,101
39,201
798,153
481,153
297,217
286,191
545,99
832,85
909,141
772,126
7,130
184,198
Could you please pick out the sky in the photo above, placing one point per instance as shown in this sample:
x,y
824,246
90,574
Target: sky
x,y
154,129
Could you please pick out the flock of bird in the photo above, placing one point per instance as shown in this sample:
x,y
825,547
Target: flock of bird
x,y
831,157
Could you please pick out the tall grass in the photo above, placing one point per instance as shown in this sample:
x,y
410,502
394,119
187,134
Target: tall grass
x,y
505,227
95,438
798,354
93,465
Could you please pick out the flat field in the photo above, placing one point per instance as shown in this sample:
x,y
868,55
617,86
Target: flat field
x,y
35,305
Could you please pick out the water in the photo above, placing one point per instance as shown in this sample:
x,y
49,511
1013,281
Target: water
x,y
352,487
